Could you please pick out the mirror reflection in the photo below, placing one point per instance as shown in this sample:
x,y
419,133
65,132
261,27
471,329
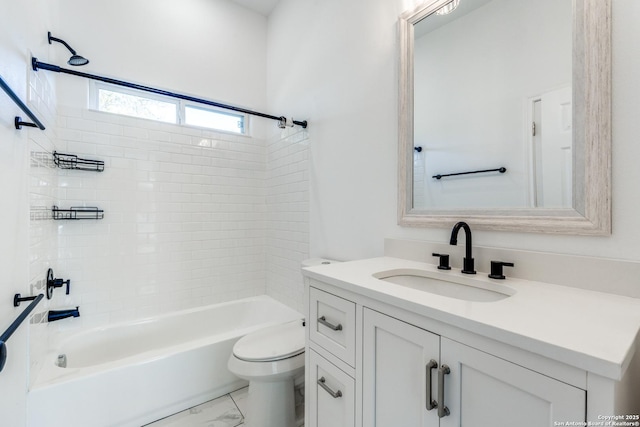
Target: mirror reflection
x,y
492,90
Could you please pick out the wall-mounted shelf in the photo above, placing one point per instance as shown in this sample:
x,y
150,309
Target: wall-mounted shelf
x,y
71,161
75,213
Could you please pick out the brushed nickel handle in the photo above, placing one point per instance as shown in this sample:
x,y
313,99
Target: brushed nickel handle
x,y
334,394
443,411
323,320
431,404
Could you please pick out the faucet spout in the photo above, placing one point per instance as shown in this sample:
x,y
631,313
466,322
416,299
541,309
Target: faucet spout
x,y
54,315
468,263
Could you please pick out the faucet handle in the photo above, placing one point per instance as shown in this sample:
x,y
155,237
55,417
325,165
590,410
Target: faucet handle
x,y
496,269
53,283
444,261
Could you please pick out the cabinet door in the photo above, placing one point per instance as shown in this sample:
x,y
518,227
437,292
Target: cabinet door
x,y
331,394
483,390
395,373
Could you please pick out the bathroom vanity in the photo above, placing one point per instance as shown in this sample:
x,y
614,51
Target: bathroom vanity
x,y
393,342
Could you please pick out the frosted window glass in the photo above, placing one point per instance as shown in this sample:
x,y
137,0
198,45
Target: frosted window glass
x,y
214,119
136,106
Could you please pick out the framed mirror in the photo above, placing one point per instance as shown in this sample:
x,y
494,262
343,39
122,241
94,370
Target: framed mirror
x,y
505,115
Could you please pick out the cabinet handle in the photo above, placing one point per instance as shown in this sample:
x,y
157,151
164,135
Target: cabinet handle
x,y
323,320
334,394
443,411
430,402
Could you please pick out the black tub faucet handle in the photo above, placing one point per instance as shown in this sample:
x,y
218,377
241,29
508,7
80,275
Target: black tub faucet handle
x,y
55,283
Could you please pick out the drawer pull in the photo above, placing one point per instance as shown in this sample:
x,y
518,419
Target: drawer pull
x,y
334,394
431,403
323,320
443,411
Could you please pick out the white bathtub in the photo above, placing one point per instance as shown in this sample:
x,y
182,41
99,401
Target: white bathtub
x,y
137,372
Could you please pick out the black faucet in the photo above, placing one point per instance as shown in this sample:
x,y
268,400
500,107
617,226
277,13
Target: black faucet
x,y
54,315
467,263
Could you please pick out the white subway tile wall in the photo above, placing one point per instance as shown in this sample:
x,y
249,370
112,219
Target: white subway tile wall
x,y
184,216
419,195
191,217
287,214
43,193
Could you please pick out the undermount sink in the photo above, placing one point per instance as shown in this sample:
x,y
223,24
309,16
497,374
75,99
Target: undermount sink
x,y
462,288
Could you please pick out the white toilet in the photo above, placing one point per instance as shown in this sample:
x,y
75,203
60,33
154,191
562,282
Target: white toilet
x,y
270,359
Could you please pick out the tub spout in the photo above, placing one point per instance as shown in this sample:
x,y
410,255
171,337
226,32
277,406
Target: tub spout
x,y
54,315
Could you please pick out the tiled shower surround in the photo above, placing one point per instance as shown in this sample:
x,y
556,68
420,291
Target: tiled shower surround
x,y
191,217
287,226
43,191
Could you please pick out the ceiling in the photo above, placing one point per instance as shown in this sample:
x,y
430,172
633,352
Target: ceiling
x,y
263,7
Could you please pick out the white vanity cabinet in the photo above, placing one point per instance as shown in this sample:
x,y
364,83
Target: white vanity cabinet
x,y
404,383
377,353
330,361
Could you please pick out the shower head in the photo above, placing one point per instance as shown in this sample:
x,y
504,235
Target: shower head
x,y
75,59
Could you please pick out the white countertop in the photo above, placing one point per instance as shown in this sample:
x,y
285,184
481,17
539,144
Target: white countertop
x,y
594,331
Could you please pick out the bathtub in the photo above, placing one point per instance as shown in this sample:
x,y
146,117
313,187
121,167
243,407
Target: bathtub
x,y
133,373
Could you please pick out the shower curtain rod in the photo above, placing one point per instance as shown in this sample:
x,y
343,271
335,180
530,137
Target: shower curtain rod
x,y
36,65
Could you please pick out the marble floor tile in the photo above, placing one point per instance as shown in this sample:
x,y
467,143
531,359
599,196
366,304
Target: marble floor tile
x,y
240,399
220,412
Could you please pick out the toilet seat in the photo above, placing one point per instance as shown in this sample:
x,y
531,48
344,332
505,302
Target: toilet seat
x,y
271,344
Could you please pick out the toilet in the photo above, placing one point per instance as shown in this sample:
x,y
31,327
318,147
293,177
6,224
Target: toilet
x,y
270,359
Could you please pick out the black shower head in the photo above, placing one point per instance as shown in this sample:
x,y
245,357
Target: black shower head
x,y
75,59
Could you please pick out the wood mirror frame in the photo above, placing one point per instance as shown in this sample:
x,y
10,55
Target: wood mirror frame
x,y
591,212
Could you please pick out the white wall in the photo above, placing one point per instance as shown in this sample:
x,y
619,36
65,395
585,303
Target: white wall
x,y
21,27
334,63
212,49
341,73
471,90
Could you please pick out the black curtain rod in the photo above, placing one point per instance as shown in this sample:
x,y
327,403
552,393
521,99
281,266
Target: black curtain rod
x,y
36,65
23,107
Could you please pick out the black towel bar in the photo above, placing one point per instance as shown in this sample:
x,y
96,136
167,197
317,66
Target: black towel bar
x,y
501,170
12,328
18,121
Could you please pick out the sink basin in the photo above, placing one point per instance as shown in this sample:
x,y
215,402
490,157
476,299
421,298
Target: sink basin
x,y
462,288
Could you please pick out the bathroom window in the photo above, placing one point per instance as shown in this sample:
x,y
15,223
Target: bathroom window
x,y
130,102
214,119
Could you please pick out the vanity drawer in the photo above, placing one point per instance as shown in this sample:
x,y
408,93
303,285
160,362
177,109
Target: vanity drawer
x,y
331,398
332,324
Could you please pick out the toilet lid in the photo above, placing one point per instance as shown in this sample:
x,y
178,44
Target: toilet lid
x,y
273,343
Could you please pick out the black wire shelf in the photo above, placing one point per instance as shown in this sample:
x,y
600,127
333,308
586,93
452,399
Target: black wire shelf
x,y
71,161
77,213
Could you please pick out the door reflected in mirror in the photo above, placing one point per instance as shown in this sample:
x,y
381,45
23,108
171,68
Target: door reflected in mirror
x,y
492,90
